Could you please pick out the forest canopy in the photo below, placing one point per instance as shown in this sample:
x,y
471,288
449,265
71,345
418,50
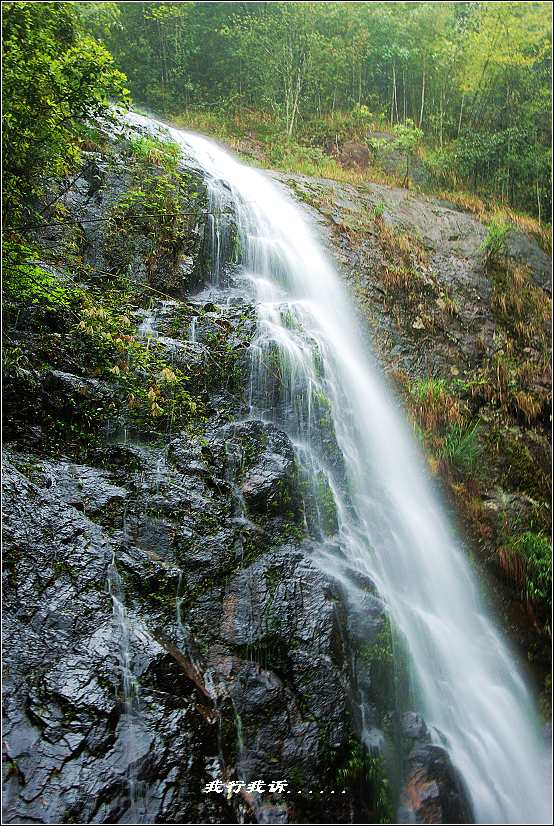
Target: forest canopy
x,y
474,76
469,82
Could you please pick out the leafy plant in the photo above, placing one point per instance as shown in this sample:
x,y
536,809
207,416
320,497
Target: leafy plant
x,y
494,243
25,281
363,769
161,153
378,210
55,79
529,557
408,139
462,448
433,405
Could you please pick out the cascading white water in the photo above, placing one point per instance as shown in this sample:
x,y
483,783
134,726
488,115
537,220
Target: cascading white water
x,y
130,716
312,374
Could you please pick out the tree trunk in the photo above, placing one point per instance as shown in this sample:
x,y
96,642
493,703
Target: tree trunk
x,y
441,116
422,98
296,94
406,181
394,95
461,113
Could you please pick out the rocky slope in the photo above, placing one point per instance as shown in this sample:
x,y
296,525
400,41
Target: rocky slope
x,y
165,625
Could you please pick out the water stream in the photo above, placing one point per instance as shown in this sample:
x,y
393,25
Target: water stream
x,y
373,507
131,716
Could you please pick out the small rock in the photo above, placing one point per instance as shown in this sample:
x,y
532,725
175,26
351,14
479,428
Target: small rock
x,y
433,791
413,725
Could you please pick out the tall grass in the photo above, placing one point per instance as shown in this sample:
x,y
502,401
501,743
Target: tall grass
x,y
160,153
527,559
462,449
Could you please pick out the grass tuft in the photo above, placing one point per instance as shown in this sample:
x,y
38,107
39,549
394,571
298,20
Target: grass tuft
x,y
462,449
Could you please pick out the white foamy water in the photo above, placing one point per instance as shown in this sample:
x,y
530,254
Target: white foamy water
x,y
313,376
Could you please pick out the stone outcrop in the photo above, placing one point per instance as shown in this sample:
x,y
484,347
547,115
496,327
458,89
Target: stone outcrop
x,y
354,155
433,792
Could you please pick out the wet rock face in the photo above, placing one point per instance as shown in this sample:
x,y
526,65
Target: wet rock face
x,y
233,636
70,747
414,726
88,489
262,459
433,792
253,679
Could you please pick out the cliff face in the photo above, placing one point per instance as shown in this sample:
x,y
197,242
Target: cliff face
x,y
166,625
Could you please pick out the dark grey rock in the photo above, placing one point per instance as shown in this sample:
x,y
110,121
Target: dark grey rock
x,y
413,725
433,791
71,750
86,488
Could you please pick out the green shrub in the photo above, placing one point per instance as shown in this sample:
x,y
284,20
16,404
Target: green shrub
x,y
55,79
161,153
462,448
425,389
362,770
494,243
408,139
308,159
153,388
378,210
535,552
26,282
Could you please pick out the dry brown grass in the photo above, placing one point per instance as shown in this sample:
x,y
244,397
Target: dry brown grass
x,y
527,224
402,247
472,509
513,565
433,407
448,305
518,385
528,404
464,200
520,304
88,145
395,279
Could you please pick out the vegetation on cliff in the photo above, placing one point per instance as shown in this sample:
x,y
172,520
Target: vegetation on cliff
x,y
55,79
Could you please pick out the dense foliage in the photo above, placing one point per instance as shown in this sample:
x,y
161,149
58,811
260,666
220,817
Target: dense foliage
x,y
56,78
475,77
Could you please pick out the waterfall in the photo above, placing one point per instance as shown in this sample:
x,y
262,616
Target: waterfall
x,y
130,717
369,500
